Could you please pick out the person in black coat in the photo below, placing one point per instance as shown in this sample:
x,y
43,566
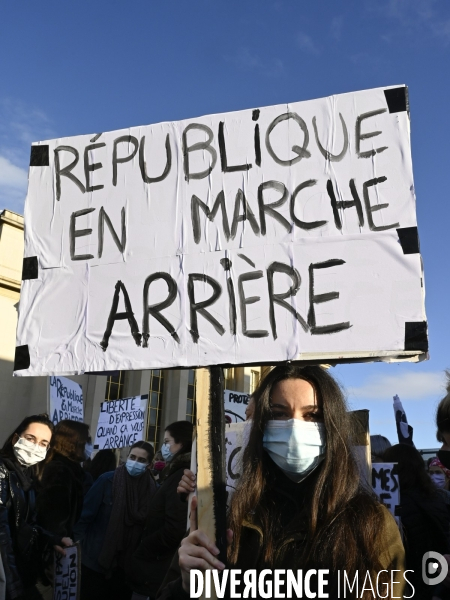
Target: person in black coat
x,y
62,484
22,540
424,515
167,520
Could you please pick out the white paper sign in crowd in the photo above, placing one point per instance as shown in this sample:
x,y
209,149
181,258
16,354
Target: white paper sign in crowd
x,y
265,235
121,422
66,400
236,438
235,405
386,486
66,576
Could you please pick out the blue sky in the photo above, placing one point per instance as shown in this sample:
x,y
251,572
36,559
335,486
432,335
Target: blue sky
x,y
69,68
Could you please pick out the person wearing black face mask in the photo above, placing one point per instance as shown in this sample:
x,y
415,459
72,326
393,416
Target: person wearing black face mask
x,y
22,541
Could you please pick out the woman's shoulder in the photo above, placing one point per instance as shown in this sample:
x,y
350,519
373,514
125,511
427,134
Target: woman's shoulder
x,y
176,466
104,479
4,482
62,468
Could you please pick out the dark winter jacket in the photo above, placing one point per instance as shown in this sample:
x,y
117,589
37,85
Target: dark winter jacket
x,y
93,523
165,528
22,541
60,496
426,526
291,518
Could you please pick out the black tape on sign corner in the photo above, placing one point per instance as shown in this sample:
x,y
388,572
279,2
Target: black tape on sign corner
x,y
144,396
397,99
30,268
416,335
39,156
22,358
409,240
96,447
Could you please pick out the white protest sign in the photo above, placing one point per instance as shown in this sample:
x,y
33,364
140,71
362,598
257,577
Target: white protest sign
x,y
66,400
236,438
386,486
235,405
66,574
280,233
121,422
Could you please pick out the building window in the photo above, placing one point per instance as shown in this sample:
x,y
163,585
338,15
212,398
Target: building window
x,y
155,399
114,385
254,380
191,406
229,379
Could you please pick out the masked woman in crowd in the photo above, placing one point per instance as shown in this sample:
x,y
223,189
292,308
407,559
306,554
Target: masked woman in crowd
x,y
424,516
114,514
300,503
22,541
167,519
62,483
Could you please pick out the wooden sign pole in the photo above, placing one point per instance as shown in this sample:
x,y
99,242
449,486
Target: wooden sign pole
x,y
211,469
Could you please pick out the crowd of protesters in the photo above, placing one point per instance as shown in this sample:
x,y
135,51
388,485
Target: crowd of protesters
x,y
300,503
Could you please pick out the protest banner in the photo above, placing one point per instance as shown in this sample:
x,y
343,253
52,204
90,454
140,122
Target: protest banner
x,y
235,405
121,422
259,236
386,486
65,400
66,574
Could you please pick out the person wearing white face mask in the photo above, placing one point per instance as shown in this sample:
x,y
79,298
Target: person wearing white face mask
x,y
300,503
22,540
114,514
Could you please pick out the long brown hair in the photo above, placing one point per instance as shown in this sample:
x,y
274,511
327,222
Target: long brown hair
x,y
69,439
346,522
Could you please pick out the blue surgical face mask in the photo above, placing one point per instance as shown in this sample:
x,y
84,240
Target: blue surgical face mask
x,y
296,446
135,468
438,479
166,453
88,449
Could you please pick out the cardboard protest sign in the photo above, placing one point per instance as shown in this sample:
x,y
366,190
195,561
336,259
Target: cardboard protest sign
x,y
235,405
386,486
259,236
66,574
121,422
236,438
66,400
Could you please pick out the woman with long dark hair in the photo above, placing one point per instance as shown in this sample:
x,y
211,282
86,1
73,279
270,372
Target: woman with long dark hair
x,y
424,515
167,518
113,518
60,498
300,503
103,462
22,540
